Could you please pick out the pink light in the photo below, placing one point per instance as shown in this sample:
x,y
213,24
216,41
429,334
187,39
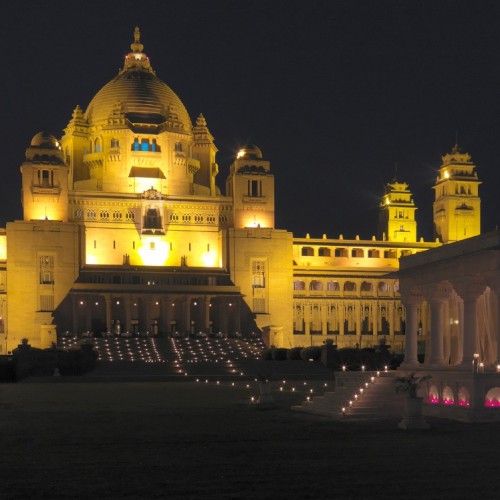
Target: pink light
x,y
448,402
463,403
433,400
492,403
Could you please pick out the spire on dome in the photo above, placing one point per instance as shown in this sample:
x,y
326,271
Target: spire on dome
x,y
137,59
200,121
137,46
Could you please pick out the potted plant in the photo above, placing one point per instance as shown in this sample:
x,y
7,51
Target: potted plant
x,y
410,384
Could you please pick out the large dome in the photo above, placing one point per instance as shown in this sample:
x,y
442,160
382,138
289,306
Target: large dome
x,y
140,95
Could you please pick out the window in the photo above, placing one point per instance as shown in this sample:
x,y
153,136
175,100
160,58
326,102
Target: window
x,y
186,218
307,251
324,252
258,274
390,254
178,147
259,305
198,218
152,219
135,145
174,217
366,287
341,252
211,219
115,143
78,213
91,214
373,254
316,286
46,263
333,286
299,285
222,219
104,215
130,215
358,252
384,287
117,215
46,302
349,286
254,188
144,145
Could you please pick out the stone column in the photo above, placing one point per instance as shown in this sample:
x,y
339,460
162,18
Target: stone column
x,y
107,311
205,301
146,313
126,309
307,318
74,304
469,289
411,339
439,295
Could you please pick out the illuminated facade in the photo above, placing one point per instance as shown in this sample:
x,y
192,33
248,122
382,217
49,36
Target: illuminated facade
x,y
125,230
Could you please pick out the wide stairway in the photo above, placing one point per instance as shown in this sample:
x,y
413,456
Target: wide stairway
x,y
358,396
170,357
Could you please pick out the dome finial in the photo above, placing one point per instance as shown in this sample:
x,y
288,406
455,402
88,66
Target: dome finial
x,y
137,46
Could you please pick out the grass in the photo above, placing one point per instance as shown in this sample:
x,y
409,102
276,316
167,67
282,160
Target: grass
x,y
187,440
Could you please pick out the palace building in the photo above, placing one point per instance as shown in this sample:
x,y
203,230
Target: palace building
x,y
125,230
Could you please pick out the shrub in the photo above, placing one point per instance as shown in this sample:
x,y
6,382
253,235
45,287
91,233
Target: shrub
x,y
313,352
280,354
294,353
267,354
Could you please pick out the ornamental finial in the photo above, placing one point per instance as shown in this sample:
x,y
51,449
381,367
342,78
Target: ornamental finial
x,y
137,46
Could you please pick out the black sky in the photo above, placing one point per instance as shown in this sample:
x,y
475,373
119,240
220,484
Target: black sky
x,y
335,93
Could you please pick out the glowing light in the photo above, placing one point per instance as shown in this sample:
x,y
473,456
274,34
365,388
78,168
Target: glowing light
x,y
154,251
240,154
446,174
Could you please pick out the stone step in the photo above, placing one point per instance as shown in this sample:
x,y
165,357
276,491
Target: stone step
x,y
378,400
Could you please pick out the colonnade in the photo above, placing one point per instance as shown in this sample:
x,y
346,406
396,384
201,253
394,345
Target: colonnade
x,y
472,343
154,314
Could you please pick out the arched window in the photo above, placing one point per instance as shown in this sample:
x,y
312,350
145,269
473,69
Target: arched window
x,y
349,286
373,254
384,287
492,397
115,143
307,251
324,252
97,146
299,285
366,287
316,286
341,252
448,397
357,252
333,286
144,145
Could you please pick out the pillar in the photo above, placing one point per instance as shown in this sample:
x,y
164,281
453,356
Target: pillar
x,y
436,358
469,289
411,338
107,311
126,309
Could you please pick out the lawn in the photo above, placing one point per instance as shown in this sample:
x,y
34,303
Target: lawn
x,y
202,440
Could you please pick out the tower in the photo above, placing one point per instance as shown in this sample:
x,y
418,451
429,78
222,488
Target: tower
x,y
457,206
397,214
45,180
251,185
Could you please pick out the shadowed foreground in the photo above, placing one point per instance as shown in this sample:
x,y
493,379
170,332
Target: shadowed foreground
x,y
189,440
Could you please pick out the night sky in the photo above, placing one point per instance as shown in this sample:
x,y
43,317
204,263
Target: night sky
x,y
335,93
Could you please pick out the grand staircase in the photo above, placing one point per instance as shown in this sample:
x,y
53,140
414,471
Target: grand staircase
x,y
358,396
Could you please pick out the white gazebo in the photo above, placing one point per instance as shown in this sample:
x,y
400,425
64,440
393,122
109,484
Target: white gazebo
x,y
452,295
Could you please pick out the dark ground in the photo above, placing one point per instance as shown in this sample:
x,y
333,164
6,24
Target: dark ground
x,y
202,440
